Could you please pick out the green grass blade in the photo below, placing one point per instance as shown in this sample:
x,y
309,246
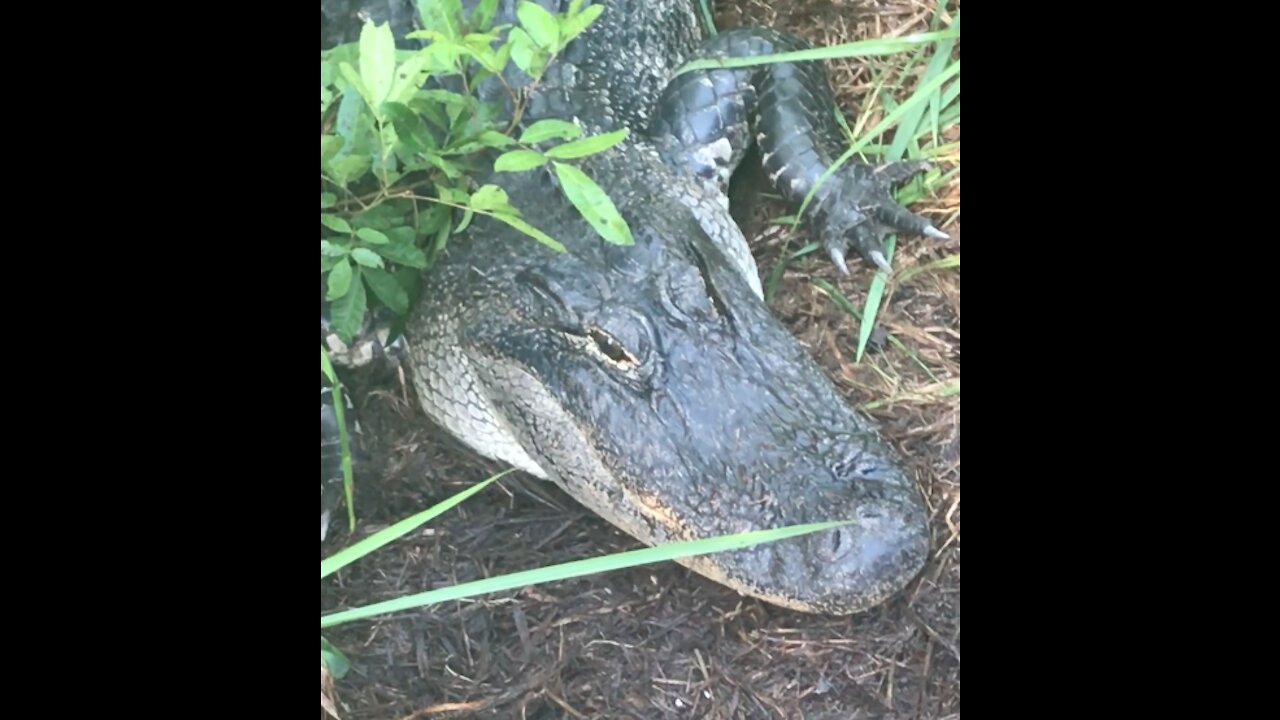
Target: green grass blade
x,y
936,105
946,391
872,305
912,110
843,303
707,17
949,261
860,48
951,93
350,554
911,120
344,440
573,569
837,297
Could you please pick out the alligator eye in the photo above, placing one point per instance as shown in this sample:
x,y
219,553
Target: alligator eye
x,y
612,349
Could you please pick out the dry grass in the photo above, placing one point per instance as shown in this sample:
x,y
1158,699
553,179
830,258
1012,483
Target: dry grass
x,y
658,641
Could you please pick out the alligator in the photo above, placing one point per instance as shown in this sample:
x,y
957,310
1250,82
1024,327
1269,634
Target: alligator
x,y
650,381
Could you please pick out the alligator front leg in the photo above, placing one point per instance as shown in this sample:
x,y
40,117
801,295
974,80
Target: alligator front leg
x,y
707,119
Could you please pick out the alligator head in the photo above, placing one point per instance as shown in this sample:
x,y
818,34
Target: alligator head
x,y
653,384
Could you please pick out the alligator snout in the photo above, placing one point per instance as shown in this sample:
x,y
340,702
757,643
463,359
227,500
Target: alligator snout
x,y
859,565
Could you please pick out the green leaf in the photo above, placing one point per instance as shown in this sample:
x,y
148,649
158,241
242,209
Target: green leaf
x,y
518,160
541,25
371,236
329,147
482,16
401,235
328,73
409,78
411,280
441,239
333,659
533,232
502,60
335,223
333,250
594,204
573,26
587,145
524,53
495,139
443,16
347,312
383,216
488,198
339,280
479,47
355,126
366,257
467,216
402,253
377,63
465,148
388,289
350,168
548,129
327,200
447,98
432,219
450,194
451,171
353,78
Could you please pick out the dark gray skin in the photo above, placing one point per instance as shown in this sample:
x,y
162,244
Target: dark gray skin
x,y
651,382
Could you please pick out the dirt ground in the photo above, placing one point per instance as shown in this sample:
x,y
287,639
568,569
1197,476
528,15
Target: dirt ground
x,y
659,641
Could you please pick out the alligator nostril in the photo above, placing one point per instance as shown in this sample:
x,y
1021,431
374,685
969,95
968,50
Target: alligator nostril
x,y
836,538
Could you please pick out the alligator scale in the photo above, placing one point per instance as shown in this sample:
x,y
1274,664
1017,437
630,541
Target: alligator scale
x,y
651,382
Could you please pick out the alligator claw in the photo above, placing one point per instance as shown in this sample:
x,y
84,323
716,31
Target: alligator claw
x,y
837,256
860,211
899,218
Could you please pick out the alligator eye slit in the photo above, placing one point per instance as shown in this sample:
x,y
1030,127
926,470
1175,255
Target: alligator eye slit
x,y
611,348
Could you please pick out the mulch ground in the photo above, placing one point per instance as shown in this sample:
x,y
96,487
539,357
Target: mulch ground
x,y
659,641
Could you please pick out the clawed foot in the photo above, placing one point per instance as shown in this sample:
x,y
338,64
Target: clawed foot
x,y
372,350
861,211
